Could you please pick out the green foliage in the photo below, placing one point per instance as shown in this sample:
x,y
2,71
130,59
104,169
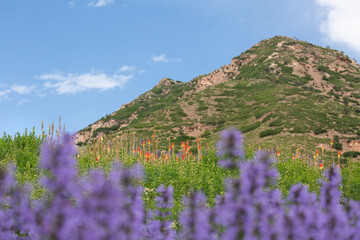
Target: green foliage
x,y
157,90
351,181
22,151
293,172
322,68
319,130
337,145
268,117
202,107
278,122
351,154
248,128
299,129
270,132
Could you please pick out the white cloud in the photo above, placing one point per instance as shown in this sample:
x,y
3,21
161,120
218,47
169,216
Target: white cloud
x,y
100,3
163,58
4,94
23,101
127,68
341,21
19,89
72,4
72,83
22,89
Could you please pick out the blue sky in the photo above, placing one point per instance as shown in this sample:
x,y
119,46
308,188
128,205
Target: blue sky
x,y
83,59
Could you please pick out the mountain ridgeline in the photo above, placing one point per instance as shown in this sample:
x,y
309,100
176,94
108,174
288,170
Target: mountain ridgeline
x,y
279,92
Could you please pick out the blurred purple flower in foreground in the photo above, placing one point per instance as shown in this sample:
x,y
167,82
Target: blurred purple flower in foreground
x,y
230,147
110,206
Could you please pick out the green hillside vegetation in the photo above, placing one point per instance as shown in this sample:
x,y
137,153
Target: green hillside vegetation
x,y
284,91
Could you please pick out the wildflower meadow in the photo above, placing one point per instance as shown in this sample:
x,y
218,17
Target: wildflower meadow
x,y
50,189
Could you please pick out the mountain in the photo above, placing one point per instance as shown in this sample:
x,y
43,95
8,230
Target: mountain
x,y
281,91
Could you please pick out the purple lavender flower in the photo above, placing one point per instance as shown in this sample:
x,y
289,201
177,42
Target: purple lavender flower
x,y
6,222
230,148
112,207
57,210
302,218
195,219
21,211
230,144
101,206
159,225
249,208
353,214
333,222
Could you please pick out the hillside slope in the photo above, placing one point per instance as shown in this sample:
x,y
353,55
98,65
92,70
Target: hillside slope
x,y
280,91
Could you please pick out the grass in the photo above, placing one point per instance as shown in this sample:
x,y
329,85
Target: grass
x,y
192,168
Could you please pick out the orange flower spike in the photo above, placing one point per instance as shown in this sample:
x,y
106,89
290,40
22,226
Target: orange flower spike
x,y
96,160
199,147
138,150
197,140
183,157
321,166
187,143
317,153
278,153
332,142
339,153
149,141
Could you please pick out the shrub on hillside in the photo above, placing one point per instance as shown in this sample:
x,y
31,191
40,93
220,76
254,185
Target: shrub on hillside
x,y
271,132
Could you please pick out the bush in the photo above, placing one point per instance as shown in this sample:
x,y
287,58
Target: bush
x,y
271,132
337,145
319,130
351,154
248,128
278,122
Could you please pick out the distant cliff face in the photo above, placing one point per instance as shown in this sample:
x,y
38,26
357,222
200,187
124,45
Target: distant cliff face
x,y
280,90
